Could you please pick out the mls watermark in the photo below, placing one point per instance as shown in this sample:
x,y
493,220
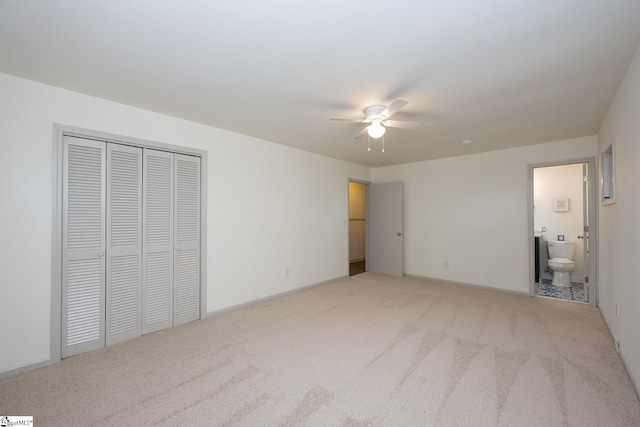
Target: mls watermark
x,y
14,420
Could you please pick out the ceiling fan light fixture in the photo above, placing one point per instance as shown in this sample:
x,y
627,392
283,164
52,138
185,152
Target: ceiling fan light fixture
x,y
376,130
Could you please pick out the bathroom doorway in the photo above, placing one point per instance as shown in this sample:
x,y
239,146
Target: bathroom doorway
x,y
561,222
357,227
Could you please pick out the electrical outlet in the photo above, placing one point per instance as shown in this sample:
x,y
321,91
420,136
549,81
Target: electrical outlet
x,y
446,264
286,273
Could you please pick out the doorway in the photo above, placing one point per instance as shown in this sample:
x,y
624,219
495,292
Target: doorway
x,y
376,228
562,217
357,227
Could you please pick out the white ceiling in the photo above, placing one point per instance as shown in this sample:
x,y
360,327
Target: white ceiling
x,y
503,73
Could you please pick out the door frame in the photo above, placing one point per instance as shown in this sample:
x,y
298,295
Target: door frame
x,y
60,131
366,235
592,212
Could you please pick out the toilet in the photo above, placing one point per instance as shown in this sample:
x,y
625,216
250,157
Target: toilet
x,y
561,261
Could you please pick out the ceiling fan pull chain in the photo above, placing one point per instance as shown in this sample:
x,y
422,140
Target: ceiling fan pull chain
x,y
383,143
369,147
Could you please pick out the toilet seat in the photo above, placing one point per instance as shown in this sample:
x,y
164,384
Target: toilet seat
x,y
561,263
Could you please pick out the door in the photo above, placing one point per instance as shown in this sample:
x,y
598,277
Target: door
x,y
83,245
187,239
585,233
129,239
157,273
385,237
171,273
124,242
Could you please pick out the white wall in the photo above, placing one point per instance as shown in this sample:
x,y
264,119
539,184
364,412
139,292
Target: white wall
x,y
618,266
550,183
472,212
270,208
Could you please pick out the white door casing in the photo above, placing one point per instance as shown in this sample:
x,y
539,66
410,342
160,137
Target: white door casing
x,y
591,245
98,255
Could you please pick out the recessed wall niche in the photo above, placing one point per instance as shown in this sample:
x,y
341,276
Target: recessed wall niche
x,y
608,167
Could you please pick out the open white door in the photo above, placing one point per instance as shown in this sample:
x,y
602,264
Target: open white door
x,y
585,222
385,221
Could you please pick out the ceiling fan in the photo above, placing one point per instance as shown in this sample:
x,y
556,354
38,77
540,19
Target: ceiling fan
x,y
377,116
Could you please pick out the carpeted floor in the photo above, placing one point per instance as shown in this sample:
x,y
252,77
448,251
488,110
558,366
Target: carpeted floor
x,y
369,350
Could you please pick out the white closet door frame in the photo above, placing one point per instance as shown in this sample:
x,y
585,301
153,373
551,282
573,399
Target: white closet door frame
x,y
83,246
60,132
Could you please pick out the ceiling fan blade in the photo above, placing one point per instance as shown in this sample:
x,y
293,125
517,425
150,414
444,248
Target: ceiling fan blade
x,y
344,119
401,124
362,133
394,107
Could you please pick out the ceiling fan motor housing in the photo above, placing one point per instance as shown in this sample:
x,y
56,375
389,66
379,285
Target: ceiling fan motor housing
x,y
373,112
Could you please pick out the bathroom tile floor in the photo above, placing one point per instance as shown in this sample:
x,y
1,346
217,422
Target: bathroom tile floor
x,y
574,293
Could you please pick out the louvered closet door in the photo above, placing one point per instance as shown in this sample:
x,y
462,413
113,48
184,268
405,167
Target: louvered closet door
x,y
83,240
187,239
124,243
157,272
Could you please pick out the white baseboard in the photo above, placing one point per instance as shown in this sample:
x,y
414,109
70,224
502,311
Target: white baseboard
x,y
24,368
274,296
468,285
620,352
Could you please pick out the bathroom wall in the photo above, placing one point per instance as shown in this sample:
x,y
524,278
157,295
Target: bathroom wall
x,y
357,221
550,183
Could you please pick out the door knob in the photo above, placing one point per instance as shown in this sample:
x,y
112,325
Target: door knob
x,y
580,237
399,233
100,253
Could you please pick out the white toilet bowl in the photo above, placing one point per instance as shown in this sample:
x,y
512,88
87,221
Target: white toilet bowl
x,y
561,268
561,261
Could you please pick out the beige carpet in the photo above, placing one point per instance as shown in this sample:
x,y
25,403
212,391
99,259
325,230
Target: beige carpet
x,y
369,350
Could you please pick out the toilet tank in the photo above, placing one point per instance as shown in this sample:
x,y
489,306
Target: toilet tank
x,y
558,249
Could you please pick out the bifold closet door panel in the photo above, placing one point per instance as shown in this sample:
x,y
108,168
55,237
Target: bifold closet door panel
x,y
187,239
83,245
124,243
158,213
